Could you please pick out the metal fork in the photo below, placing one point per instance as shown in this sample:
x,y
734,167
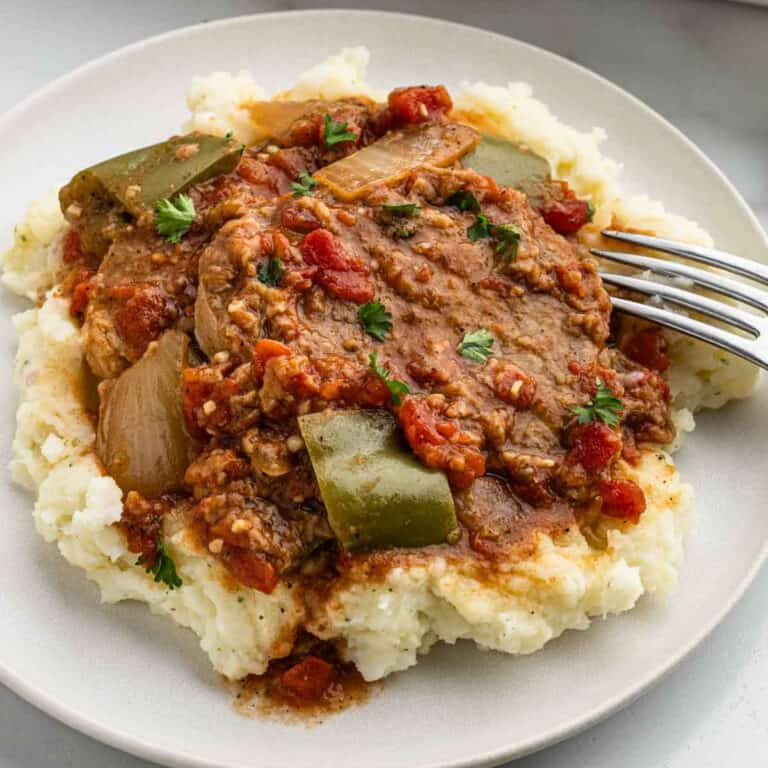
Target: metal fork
x,y
753,347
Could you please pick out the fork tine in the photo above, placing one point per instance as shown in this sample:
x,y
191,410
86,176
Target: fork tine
x,y
709,333
727,261
716,309
740,291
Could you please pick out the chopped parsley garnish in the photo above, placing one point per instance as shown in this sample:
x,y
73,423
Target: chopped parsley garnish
x,y
271,272
228,135
464,201
403,209
481,228
603,406
376,321
590,211
507,238
173,218
163,569
304,185
476,345
396,387
336,133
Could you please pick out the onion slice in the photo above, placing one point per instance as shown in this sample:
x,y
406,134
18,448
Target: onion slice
x,y
272,119
141,438
392,157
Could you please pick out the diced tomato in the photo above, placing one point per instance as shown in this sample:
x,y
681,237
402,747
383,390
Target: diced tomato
x,y
293,161
70,247
352,286
264,350
370,391
566,216
260,174
146,312
140,523
418,104
198,386
649,348
439,442
343,275
623,499
594,445
251,569
306,132
514,386
299,219
321,249
309,679
419,422
333,377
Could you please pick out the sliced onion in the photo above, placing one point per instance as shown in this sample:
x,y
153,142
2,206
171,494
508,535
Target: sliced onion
x,y
392,157
141,439
207,327
272,119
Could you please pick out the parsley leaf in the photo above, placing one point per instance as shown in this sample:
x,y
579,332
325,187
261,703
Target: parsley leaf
x,y
481,228
396,387
403,209
476,345
590,211
173,218
376,321
228,135
304,185
507,238
464,201
336,133
603,406
164,569
271,271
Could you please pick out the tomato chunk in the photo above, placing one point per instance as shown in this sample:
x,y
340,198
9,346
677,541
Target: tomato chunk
x,y
264,350
347,285
594,445
198,386
343,275
649,348
321,249
262,175
251,569
144,315
418,104
623,499
298,218
566,216
439,442
309,679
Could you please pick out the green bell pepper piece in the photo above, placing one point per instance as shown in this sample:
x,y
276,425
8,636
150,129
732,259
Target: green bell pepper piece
x,y
377,495
138,179
507,163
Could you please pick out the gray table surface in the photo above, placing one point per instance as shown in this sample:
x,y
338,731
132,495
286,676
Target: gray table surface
x,y
702,65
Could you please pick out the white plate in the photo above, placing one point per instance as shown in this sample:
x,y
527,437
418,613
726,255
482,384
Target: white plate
x,y
139,683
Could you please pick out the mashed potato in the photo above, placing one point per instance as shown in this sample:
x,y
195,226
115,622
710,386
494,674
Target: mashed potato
x,y
385,626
